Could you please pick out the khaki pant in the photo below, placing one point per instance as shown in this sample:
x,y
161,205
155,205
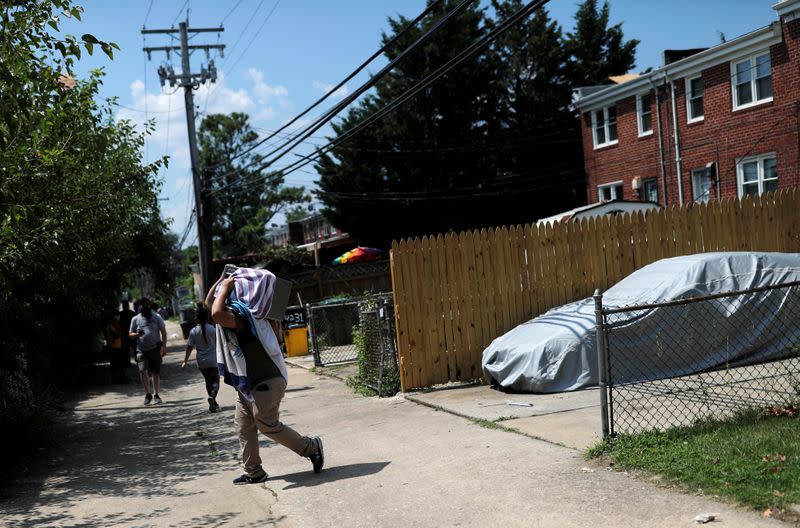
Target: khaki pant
x,y
262,415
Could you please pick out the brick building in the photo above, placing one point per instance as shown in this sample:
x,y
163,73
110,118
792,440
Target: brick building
x,y
711,123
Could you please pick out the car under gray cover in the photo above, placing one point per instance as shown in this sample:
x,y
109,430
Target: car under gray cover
x,y
556,351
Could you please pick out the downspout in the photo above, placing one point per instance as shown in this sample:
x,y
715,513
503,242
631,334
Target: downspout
x,y
660,145
678,159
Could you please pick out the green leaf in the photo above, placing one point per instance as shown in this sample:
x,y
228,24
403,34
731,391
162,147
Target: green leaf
x,y
89,47
108,50
86,37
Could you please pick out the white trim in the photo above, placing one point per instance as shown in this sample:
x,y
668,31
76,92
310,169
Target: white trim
x,y
686,93
788,9
640,114
751,59
690,66
759,159
612,185
606,129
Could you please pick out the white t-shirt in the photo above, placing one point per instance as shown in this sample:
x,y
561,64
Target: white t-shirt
x,y
206,348
152,330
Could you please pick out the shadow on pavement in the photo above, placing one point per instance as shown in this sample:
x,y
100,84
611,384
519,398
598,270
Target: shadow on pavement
x,y
331,474
124,451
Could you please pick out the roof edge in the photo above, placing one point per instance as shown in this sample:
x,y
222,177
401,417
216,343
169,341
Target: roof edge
x,y
742,45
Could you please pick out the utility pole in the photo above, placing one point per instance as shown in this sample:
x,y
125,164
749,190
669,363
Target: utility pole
x,y
189,82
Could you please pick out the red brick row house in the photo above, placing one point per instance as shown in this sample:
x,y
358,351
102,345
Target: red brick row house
x,y
709,124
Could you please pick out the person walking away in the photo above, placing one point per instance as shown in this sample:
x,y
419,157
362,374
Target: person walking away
x,y
128,344
146,327
203,338
114,344
250,360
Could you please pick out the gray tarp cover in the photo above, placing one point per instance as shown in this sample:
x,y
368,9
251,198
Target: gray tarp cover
x,y
556,351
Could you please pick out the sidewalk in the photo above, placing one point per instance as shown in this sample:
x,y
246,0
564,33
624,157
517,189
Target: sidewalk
x,y
389,462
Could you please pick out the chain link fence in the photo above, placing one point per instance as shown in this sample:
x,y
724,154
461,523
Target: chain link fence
x,y
330,328
676,363
378,366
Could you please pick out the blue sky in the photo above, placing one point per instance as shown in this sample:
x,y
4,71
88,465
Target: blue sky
x,y
282,54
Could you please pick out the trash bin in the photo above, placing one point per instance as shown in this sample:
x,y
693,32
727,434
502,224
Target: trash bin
x,y
296,331
187,319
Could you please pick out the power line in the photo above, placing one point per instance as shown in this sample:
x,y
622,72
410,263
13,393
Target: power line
x,y
350,76
147,15
255,35
427,81
229,12
146,111
236,42
330,114
179,13
231,49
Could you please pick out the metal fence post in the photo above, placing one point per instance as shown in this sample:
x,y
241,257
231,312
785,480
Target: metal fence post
x,y
601,360
312,328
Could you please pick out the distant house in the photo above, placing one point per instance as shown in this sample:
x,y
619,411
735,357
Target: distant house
x,y
279,236
708,124
315,234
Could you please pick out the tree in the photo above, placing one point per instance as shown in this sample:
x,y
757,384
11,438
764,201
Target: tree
x,y
543,152
597,51
78,208
243,200
401,175
491,143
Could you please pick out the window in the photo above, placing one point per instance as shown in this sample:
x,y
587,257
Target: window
x,y
702,184
752,80
604,126
610,191
757,175
694,99
644,115
651,190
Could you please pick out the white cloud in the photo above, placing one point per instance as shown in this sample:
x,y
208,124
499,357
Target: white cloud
x,y
325,88
165,106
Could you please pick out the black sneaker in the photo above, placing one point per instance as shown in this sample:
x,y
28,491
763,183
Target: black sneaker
x,y
247,479
148,398
157,399
318,459
212,405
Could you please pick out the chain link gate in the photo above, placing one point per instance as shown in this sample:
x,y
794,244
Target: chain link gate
x,y
330,328
378,368
762,370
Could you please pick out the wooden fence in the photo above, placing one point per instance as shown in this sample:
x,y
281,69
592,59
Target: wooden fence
x,y
455,293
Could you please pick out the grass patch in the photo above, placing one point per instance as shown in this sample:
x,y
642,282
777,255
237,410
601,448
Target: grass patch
x,y
752,459
358,385
494,424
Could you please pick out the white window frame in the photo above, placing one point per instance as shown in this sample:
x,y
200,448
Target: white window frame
x,y
606,128
752,59
640,113
697,175
645,182
688,93
760,167
613,185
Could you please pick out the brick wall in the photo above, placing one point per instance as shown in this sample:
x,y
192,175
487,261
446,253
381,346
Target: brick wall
x,y
723,136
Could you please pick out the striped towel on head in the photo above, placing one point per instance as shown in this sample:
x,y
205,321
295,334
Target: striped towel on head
x,y
255,289
252,299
